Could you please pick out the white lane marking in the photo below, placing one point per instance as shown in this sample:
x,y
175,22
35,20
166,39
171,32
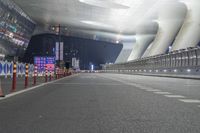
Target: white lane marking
x,y
175,96
189,100
153,90
162,93
86,84
34,87
147,88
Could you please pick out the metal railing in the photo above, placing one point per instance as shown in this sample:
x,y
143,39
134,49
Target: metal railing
x,y
6,68
184,61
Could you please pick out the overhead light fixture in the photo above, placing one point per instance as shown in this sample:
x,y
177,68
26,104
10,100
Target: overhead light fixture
x,y
96,23
104,4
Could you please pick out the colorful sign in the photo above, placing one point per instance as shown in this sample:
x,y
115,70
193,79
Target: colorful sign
x,y
41,62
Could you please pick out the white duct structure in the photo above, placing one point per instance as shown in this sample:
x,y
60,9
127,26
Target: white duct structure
x,y
142,42
170,20
189,35
164,38
146,53
126,51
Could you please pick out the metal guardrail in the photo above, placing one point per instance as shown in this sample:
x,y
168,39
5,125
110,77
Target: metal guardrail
x,y
184,61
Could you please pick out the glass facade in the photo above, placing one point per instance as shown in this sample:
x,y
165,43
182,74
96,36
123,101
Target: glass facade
x,y
16,29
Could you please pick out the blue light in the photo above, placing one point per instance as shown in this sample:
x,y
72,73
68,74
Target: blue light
x,y
92,67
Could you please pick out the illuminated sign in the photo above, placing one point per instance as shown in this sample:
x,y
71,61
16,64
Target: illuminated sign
x,y
41,62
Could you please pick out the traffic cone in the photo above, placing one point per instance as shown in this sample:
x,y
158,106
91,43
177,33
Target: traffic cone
x,y
1,91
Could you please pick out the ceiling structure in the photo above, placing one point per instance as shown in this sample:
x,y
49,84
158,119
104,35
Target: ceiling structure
x,y
116,20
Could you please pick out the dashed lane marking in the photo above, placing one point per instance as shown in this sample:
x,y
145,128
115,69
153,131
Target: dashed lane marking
x,y
175,96
153,90
156,91
146,88
162,93
190,100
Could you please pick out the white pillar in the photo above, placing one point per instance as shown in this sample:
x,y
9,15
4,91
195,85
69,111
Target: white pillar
x,y
142,42
127,42
189,35
165,37
170,19
146,53
123,56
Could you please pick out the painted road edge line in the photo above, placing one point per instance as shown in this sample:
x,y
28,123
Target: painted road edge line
x,y
189,100
162,93
174,96
34,87
154,90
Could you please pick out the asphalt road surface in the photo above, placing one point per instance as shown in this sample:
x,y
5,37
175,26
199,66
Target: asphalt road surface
x,y
6,83
105,103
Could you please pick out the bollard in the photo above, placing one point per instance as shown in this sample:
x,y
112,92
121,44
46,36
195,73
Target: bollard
x,y
64,72
56,73
14,77
46,74
26,76
50,75
60,73
35,75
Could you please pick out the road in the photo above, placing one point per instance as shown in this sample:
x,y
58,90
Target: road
x,y
105,103
6,83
